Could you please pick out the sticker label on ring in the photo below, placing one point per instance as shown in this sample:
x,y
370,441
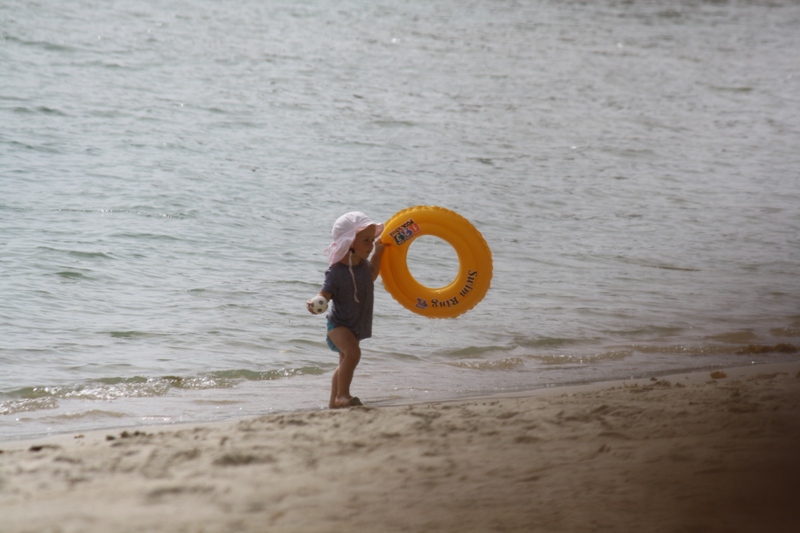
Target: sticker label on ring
x,y
406,231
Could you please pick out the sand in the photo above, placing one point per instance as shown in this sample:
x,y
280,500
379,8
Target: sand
x,y
696,452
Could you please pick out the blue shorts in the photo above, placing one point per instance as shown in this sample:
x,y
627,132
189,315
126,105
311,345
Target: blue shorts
x,y
329,341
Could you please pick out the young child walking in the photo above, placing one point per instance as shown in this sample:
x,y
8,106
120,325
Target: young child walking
x,y
349,283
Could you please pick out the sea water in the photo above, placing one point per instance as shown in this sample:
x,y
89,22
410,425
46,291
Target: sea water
x,y
170,171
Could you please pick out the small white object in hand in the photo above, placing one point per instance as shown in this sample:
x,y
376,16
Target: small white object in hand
x,y
319,304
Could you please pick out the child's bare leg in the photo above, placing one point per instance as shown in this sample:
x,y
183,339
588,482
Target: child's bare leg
x,y
335,386
350,355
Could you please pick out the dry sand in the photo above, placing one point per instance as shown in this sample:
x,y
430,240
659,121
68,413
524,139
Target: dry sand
x,y
679,454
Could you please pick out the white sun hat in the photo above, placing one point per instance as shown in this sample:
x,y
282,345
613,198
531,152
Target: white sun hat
x,y
344,234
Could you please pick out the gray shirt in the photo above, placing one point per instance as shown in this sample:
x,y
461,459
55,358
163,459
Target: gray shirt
x,y
357,316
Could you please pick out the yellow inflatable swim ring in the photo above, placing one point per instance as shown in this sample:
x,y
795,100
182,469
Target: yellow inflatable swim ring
x,y
474,258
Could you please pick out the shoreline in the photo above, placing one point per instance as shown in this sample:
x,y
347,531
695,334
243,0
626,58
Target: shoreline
x,y
691,373
714,450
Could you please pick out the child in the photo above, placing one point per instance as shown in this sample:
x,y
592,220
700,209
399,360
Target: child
x,y
349,282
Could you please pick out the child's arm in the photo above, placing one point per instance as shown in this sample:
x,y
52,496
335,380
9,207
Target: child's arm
x,y
375,260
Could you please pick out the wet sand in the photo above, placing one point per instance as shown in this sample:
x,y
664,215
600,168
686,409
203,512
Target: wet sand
x,y
694,452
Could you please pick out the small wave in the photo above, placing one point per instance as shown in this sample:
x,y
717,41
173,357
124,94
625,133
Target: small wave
x,y
76,253
268,375
735,337
89,255
654,264
68,274
134,388
731,89
11,407
129,334
115,381
148,236
45,148
767,348
39,109
45,45
717,349
670,267
786,332
707,349
582,359
546,342
394,123
137,212
509,363
114,388
92,413
477,350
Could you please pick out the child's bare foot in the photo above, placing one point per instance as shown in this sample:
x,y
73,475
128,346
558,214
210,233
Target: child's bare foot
x,y
347,402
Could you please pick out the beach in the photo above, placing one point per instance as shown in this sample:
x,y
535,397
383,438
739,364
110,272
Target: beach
x,y
169,176
711,450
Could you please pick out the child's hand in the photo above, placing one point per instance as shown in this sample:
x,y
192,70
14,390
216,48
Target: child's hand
x,y
310,307
318,304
